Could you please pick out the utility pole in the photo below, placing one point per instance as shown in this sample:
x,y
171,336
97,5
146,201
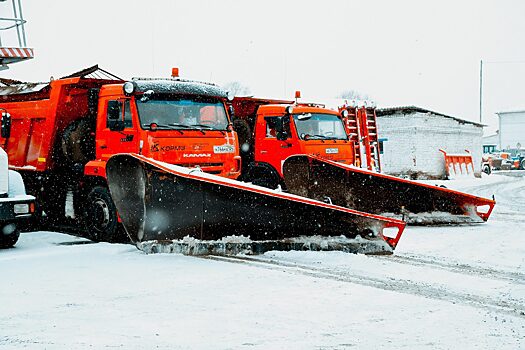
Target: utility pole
x,y
480,91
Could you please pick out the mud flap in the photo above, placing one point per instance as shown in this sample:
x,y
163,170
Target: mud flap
x,y
158,201
367,191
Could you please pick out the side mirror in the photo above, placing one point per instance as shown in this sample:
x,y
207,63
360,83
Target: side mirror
x,y
282,135
114,110
5,130
231,111
281,127
117,125
115,122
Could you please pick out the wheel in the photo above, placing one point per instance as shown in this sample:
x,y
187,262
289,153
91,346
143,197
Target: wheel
x,y
9,235
265,179
78,142
522,164
244,134
100,217
486,169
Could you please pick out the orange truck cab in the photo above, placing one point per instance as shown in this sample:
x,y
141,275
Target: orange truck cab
x,y
270,131
189,128
60,135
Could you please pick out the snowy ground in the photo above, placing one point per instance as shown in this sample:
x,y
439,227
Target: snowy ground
x,y
444,288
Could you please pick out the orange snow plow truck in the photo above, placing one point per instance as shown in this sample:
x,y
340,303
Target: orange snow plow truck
x,y
158,159
330,155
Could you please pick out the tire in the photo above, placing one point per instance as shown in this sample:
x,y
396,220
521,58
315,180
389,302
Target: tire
x,y
100,217
522,164
9,235
486,169
78,142
244,134
265,179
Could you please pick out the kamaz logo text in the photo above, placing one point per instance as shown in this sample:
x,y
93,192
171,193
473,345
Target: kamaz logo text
x,y
167,148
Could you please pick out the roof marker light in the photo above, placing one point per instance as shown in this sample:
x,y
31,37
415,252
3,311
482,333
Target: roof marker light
x,y
297,95
175,72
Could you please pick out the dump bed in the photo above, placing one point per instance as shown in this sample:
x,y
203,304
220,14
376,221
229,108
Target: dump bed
x,y
38,115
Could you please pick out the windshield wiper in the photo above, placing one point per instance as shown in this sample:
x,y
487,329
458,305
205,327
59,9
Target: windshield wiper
x,y
204,126
156,125
161,126
179,125
316,137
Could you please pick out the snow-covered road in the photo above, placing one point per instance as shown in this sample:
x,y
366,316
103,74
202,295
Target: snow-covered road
x,y
444,288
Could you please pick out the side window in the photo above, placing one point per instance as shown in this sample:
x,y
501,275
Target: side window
x,y
271,124
125,112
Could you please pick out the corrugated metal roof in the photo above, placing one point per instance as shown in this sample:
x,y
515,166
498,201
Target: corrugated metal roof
x,y
384,112
15,87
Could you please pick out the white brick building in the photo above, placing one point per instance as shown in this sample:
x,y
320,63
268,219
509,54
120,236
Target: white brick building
x,y
412,137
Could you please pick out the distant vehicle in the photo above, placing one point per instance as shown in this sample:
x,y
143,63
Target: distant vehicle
x,y
503,160
16,207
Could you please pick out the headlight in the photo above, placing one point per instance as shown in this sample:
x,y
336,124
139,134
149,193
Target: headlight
x,y
129,87
21,208
289,109
344,113
230,95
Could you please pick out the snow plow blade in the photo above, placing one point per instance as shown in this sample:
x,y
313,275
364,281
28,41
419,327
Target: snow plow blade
x,y
167,208
390,196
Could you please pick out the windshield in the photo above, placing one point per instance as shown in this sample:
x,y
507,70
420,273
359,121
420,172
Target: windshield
x,y
182,113
319,126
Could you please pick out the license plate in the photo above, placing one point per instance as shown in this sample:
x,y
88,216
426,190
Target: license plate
x,y
332,150
224,149
21,208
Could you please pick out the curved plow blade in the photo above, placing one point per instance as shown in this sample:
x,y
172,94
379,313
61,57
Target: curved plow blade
x,y
367,191
158,201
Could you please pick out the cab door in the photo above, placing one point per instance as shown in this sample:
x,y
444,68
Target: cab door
x,y
274,141
117,132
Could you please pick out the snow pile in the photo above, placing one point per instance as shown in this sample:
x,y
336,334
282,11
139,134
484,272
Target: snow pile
x,y
235,245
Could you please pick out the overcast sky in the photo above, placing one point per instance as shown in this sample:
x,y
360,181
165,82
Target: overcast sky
x,y
424,53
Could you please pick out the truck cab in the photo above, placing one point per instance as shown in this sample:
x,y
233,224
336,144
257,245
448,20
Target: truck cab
x,y
284,130
177,122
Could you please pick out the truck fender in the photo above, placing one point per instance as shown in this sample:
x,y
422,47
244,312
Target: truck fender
x,y
263,174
